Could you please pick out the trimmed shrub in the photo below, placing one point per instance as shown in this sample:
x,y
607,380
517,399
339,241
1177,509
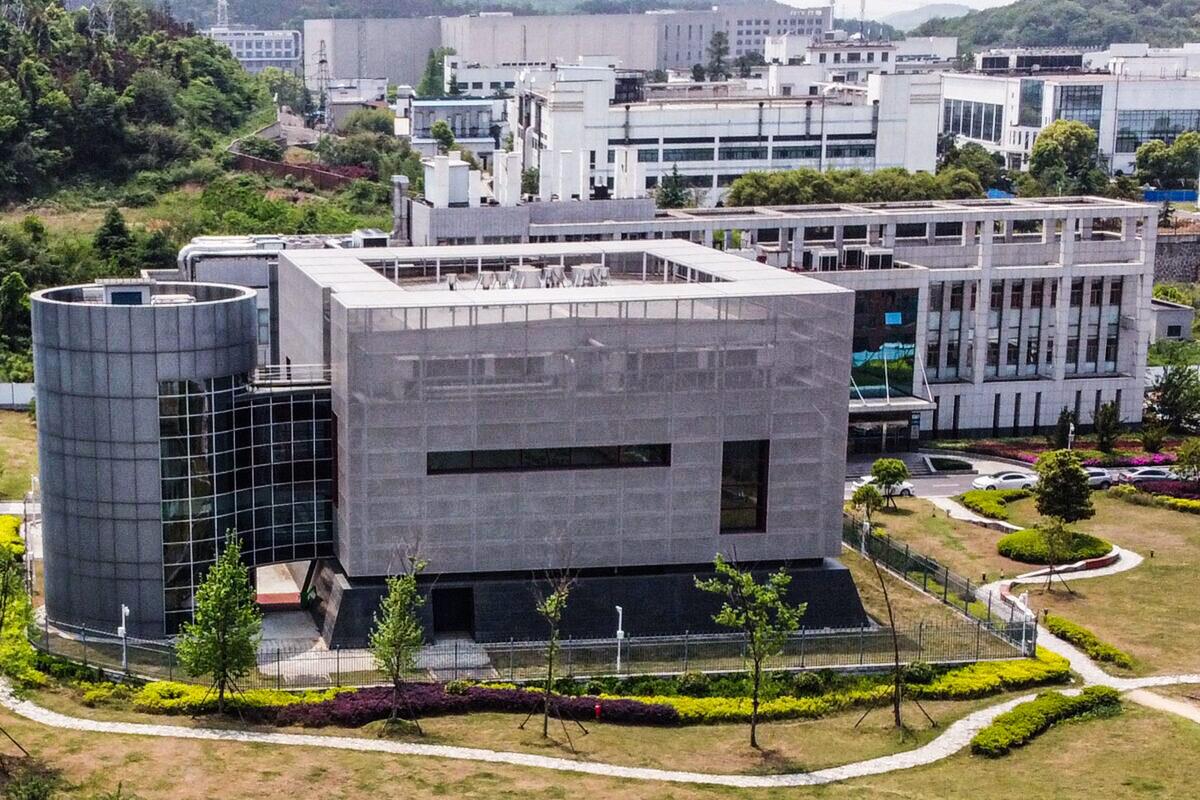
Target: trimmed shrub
x,y
1130,494
1087,641
987,678
991,502
10,535
1028,720
166,697
104,693
355,709
1029,547
713,710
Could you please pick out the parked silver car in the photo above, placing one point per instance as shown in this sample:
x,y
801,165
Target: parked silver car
x,y
1140,474
1098,477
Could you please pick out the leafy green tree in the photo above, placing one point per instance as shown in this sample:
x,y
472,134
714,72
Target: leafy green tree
x,y
868,500
671,192
112,239
718,57
1062,489
1059,540
261,148
1166,215
698,73
889,473
441,133
1152,435
1107,426
369,120
1175,398
760,611
987,167
531,180
550,607
1064,159
221,641
1060,434
1170,166
287,89
432,83
1187,460
746,63
397,635
14,306
150,97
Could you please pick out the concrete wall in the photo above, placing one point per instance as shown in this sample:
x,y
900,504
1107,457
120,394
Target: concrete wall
x,y
98,371
395,49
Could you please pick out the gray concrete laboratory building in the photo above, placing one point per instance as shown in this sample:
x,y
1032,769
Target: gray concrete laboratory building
x,y
621,409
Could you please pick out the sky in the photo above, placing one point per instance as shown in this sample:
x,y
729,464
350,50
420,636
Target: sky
x,y
877,9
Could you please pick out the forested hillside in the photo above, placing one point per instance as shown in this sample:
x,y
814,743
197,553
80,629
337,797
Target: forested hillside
x,y
1073,22
80,102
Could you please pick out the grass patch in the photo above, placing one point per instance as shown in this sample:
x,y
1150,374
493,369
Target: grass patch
x,y
18,453
1087,641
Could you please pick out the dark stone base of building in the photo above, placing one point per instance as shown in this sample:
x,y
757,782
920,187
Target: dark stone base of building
x,y
656,602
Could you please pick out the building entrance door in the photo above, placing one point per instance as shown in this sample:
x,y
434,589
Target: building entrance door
x,y
454,610
893,436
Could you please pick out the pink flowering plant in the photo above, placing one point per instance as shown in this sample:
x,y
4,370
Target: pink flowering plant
x,y
1127,453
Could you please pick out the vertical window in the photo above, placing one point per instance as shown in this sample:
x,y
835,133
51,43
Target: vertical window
x,y
744,486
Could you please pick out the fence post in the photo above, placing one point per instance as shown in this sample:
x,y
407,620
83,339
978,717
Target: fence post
x,y
989,611
456,659
920,640
862,643
510,658
338,659
967,599
925,581
945,582
978,634
84,646
278,670
685,651
802,640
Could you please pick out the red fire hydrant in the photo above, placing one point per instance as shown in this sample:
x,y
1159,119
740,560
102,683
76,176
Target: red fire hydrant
x,y
597,707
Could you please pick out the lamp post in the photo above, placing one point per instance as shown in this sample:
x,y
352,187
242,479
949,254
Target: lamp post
x,y
620,635
124,639
1070,435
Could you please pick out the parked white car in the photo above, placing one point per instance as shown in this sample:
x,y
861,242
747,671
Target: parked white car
x,y
1006,480
1139,474
902,489
1098,477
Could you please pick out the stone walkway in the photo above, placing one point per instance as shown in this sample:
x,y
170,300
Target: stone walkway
x,y
958,511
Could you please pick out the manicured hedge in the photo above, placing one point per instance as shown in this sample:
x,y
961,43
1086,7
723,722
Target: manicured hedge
x,y
1137,497
991,502
990,677
355,709
1028,720
10,535
1183,490
1087,641
1029,546
166,697
713,710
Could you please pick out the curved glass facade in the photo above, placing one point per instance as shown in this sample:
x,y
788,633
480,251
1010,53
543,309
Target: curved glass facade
x,y
239,457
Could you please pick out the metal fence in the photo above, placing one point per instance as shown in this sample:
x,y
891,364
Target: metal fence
x,y
282,668
937,581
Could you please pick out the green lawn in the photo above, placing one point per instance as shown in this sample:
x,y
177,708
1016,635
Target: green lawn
x,y
1151,612
18,454
1138,754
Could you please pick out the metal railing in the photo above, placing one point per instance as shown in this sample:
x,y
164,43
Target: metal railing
x,y
937,581
863,648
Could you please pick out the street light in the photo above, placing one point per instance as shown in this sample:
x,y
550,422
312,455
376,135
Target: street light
x,y
620,635
1070,435
124,639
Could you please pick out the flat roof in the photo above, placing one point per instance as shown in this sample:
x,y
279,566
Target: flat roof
x,y
352,276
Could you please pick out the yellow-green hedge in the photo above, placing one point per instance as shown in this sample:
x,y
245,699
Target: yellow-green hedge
x,y
166,697
1087,641
10,534
1028,720
991,677
991,502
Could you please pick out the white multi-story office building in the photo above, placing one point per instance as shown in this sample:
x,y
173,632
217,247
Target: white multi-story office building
x,y
797,64
583,132
256,50
1005,113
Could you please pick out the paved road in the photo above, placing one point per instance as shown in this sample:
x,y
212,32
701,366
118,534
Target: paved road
x,y
936,485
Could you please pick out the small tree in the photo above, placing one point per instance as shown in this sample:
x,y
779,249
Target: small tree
x,y
1166,215
112,239
551,606
1062,489
671,193
698,73
1175,398
397,636
1107,425
1187,460
1059,541
1152,435
760,611
1060,435
889,473
868,500
441,133
222,639
531,180
718,57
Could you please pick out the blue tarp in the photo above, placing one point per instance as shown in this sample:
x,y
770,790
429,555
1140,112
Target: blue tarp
x,y
1172,195
997,194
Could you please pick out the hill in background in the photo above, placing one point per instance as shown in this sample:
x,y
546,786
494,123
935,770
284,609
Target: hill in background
x,y
907,20
1073,22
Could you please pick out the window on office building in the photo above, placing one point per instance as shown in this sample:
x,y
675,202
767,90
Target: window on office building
x,y
744,473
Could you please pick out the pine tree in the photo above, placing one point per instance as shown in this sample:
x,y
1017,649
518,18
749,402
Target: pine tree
x,y
221,641
112,239
671,191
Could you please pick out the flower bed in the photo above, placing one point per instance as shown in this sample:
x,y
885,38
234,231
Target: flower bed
x,y
355,709
1029,720
1185,490
1127,453
1135,495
